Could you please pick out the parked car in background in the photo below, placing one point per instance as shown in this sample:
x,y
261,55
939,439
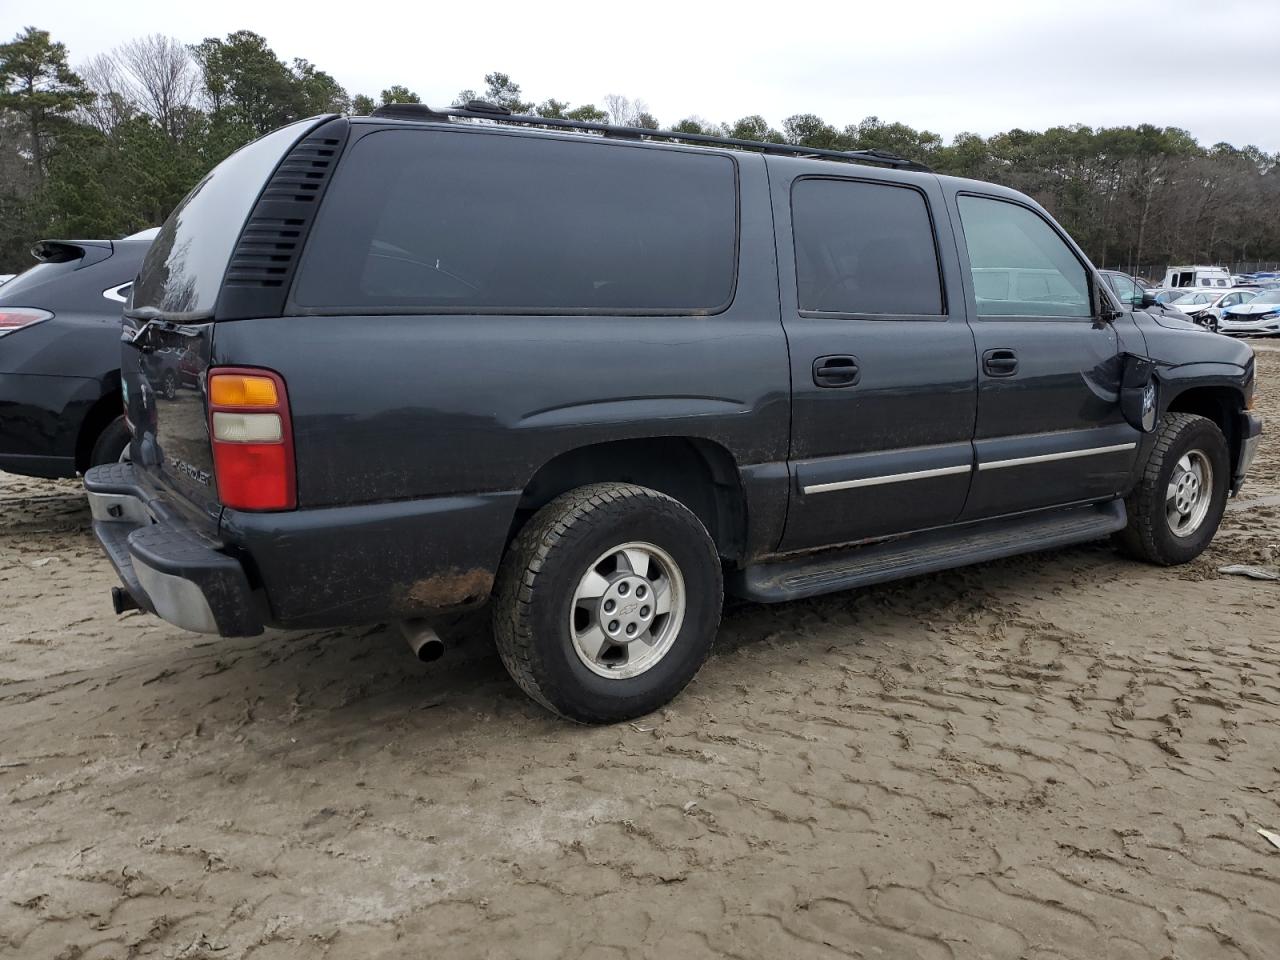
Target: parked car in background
x,y
594,382
1205,307
1132,290
61,406
1259,315
1197,277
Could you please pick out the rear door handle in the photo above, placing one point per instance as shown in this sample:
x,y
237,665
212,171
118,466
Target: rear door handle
x,y
1000,362
837,371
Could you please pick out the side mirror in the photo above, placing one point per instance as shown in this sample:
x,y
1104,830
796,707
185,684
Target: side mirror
x,y
1143,299
1139,393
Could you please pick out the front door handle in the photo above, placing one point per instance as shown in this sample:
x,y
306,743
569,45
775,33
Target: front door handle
x,y
839,371
1001,362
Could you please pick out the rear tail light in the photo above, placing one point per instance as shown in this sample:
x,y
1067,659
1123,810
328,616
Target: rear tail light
x,y
15,318
252,439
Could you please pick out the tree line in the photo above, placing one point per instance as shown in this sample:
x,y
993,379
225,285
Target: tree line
x,y
112,145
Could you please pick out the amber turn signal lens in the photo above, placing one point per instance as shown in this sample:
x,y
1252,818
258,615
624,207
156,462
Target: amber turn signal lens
x,y
241,390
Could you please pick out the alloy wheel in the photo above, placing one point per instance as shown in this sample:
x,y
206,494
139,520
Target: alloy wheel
x,y
627,610
1189,493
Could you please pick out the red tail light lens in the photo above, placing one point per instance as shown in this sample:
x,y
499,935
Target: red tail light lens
x,y
15,318
252,439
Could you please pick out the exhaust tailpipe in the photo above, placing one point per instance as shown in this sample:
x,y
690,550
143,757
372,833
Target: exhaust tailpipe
x,y
122,601
423,639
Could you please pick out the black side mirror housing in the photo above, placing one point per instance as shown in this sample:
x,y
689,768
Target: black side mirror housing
x,y
1143,299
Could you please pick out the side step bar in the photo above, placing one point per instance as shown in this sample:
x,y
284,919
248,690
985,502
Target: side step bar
x,y
915,554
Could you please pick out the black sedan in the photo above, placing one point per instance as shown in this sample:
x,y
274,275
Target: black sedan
x,y
61,409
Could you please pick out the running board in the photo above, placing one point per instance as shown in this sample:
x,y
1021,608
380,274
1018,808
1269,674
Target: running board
x,y
920,553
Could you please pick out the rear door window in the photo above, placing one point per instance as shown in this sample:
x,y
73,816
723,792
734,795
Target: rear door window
x,y
1007,240
440,221
864,248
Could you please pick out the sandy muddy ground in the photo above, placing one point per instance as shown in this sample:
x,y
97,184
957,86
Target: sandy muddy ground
x,y
1064,755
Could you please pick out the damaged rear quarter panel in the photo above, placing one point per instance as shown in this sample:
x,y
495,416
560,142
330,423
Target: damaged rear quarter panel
x,y
358,564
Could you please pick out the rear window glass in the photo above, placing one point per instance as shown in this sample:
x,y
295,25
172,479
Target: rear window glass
x,y
184,267
34,277
864,248
445,221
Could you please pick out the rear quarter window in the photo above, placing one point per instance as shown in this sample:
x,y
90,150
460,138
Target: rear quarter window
x,y
183,270
443,221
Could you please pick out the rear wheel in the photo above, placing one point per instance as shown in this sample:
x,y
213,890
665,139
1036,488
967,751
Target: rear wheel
x,y
112,445
607,603
1178,503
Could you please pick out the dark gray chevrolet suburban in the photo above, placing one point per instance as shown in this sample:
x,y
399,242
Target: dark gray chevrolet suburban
x,y
595,377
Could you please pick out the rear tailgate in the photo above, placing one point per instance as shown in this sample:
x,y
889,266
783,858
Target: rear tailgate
x,y
168,337
166,409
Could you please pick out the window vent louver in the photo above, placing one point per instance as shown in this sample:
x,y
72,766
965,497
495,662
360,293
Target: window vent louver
x,y
265,256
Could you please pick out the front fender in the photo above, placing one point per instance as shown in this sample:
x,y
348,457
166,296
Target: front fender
x,y
1178,380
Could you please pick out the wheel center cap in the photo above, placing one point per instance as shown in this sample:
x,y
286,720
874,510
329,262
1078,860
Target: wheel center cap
x,y
626,609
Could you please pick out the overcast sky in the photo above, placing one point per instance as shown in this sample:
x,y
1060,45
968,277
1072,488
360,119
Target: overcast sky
x,y
1209,66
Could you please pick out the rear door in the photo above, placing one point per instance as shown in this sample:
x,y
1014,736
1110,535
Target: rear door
x,y
882,361
1049,428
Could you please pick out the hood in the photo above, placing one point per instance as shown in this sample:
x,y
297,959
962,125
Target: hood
x,y
1252,309
1173,320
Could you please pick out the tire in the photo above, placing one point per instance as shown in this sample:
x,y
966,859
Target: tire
x,y
541,624
112,444
1182,439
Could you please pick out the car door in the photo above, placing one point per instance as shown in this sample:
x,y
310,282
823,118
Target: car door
x,y
1228,300
883,369
1049,426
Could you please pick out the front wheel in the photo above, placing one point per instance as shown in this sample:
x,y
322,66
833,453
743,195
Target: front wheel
x,y
607,602
1175,509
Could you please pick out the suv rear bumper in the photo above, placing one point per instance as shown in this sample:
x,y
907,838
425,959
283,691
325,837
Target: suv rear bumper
x,y
165,567
320,567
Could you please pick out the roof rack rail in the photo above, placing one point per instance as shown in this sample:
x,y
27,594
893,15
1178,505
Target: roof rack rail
x,y
482,110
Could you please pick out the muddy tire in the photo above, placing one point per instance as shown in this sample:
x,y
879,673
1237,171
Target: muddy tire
x,y
607,602
112,443
1175,509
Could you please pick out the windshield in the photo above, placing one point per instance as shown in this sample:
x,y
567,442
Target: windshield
x,y
1267,296
1189,298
